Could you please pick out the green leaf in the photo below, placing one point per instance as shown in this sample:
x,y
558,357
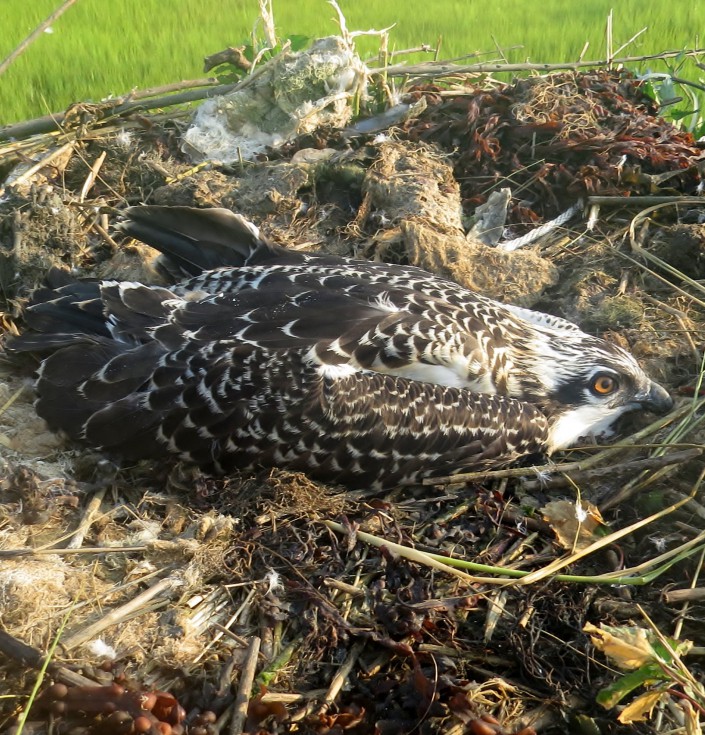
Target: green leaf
x,y
680,114
649,91
227,73
617,690
299,42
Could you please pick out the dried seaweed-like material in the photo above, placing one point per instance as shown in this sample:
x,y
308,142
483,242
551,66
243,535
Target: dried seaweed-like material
x,y
558,138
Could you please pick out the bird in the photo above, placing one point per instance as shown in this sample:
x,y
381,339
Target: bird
x,y
355,372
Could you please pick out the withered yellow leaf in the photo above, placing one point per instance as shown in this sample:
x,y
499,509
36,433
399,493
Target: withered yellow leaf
x,y
627,647
640,709
574,523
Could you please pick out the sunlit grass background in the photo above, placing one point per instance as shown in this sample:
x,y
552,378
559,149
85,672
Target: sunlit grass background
x,y
103,47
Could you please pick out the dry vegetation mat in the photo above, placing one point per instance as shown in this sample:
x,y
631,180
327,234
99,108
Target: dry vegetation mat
x,y
565,598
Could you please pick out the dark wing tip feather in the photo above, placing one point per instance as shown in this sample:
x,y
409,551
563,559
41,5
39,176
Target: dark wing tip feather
x,y
195,239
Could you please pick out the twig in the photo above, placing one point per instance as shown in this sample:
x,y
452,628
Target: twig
x,y
14,553
649,463
29,656
341,676
35,34
92,176
243,606
349,589
444,68
26,655
643,201
88,517
120,613
244,690
106,236
231,55
121,106
675,597
608,40
631,40
44,161
12,399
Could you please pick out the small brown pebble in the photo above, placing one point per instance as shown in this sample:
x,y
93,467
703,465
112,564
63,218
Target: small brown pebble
x,y
58,708
57,691
491,719
118,723
115,689
207,717
478,727
165,728
148,700
142,724
119,717
198,730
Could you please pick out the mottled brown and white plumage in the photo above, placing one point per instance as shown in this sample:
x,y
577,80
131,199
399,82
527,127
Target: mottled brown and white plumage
x,y
352,371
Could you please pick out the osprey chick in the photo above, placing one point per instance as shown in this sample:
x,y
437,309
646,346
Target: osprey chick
x,y
352,371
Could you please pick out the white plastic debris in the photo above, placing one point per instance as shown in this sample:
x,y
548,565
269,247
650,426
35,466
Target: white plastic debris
x,y
294,93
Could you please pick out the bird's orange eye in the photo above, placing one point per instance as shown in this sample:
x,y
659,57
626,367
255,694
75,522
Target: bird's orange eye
x,y
603,385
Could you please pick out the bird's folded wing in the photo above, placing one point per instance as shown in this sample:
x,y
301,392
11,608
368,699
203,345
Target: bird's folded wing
x,y
253,406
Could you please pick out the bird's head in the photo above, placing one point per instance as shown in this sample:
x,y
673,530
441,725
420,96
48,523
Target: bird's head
x,y
585,384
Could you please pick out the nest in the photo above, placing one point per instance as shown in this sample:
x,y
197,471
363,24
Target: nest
x,y
172,601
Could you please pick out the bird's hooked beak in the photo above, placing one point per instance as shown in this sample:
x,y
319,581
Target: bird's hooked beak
x,y
656,399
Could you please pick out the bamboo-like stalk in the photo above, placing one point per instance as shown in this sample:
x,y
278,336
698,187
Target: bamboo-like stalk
x,y
86,632
247,677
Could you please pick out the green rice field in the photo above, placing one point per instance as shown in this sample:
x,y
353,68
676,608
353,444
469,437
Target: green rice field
x,y
103,47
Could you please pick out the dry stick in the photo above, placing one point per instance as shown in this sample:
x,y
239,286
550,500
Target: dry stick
x,y
88,517
244,690
444,68
344,587
14,553
127,104
35,34
92,176
675,597
29,656
106,236
342,676
639,201
649,463
14,131
45,161
50,123
608,40
120,613
631,40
